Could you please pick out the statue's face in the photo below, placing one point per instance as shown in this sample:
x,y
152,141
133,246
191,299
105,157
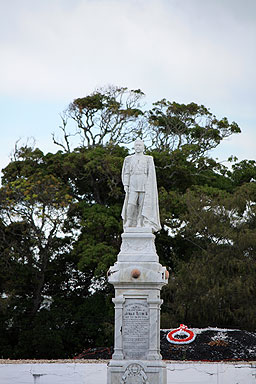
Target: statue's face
x,y
138,146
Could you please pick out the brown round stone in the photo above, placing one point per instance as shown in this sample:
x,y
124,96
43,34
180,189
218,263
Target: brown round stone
x,y
135,273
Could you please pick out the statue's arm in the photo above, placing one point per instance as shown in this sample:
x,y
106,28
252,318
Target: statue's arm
x,y
126,174
151,164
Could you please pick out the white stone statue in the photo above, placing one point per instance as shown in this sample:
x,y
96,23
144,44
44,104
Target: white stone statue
x,y
140,207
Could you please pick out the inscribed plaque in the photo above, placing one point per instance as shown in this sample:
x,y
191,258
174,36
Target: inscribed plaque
x,y
135,329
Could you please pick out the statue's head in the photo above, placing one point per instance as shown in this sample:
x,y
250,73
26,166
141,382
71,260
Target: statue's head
x,y
139,145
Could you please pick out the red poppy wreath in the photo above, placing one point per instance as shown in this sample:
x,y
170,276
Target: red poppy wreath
x,y
176,336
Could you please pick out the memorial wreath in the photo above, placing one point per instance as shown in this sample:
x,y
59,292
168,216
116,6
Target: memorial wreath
x,y
181,332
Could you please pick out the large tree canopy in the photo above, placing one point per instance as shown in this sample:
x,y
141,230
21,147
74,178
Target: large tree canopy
x,y
60,225
108,115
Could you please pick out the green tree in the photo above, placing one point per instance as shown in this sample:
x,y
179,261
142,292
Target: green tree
x,y
108,115
189,126
216,283
50,208
60,225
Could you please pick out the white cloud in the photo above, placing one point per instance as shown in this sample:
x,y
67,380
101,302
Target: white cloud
x,y
184,50
56,49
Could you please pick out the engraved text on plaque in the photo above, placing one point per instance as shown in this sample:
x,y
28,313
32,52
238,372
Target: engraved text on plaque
x,y
135,329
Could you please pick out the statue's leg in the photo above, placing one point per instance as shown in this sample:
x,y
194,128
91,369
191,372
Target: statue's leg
x,y
131,209
140,206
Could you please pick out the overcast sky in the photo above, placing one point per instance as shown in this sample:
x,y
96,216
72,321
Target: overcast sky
x,y
53,51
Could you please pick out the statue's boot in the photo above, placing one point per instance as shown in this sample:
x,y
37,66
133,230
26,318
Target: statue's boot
x,y
140,222
130,215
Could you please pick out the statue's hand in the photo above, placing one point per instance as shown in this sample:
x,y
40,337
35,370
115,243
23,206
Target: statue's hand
x,y
126,188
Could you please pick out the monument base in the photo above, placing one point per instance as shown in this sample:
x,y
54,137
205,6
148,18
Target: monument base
x,y
136,372
138,278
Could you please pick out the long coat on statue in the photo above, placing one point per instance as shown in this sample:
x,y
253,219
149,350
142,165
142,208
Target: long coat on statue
x,y
150,209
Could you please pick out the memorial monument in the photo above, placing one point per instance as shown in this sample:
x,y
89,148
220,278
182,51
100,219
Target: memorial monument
x,y
138,278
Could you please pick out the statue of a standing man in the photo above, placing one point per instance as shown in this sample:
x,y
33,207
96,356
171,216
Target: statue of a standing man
x,y
141,201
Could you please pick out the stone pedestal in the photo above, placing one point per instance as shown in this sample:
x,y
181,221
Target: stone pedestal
x,y
138,278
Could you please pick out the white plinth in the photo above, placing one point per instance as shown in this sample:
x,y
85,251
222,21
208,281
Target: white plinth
x,y
138,278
